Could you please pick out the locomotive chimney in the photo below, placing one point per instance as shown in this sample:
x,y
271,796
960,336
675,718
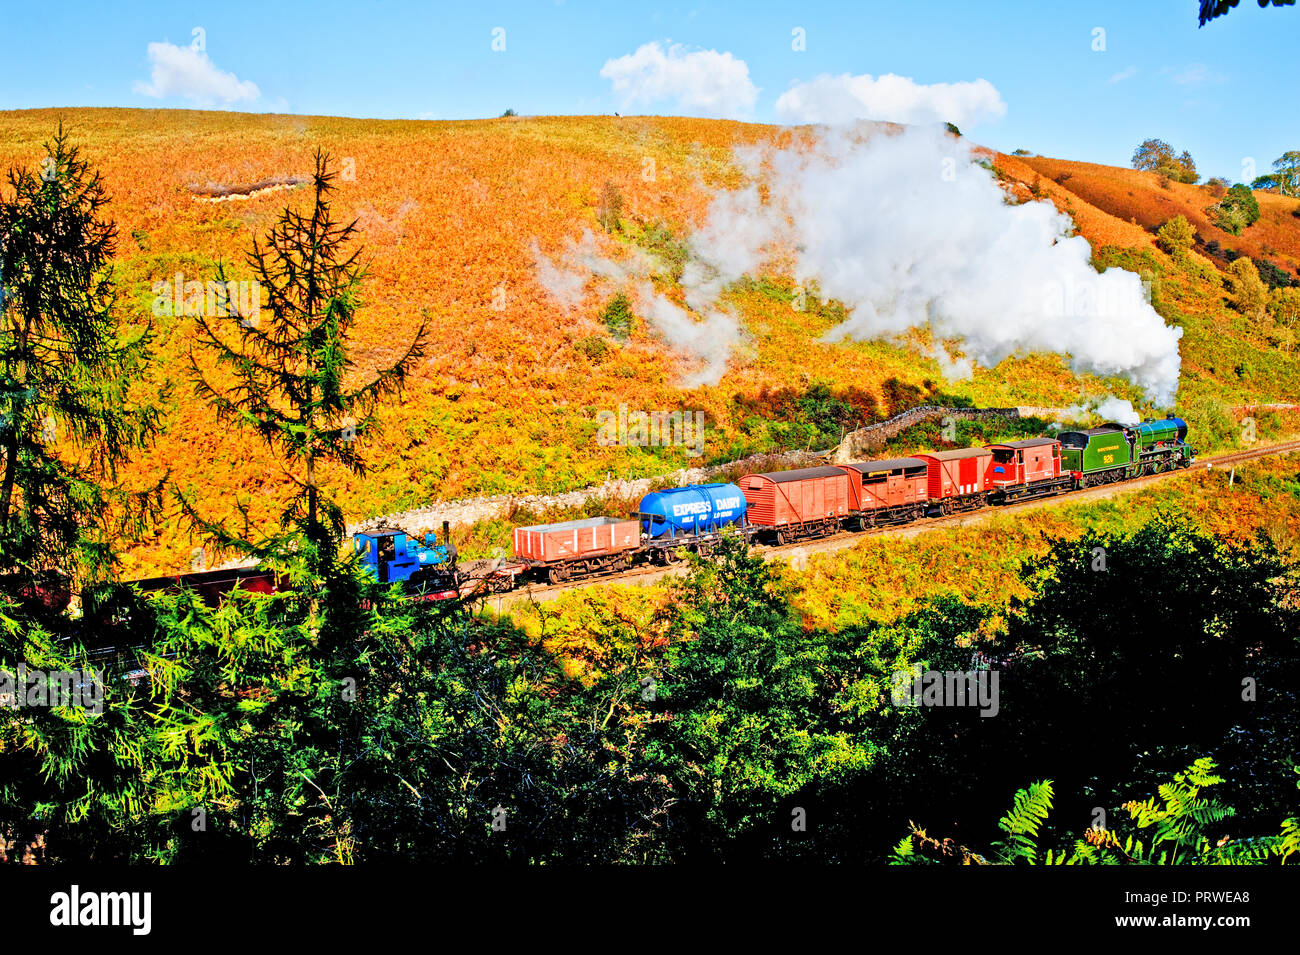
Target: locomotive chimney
x,y
446,532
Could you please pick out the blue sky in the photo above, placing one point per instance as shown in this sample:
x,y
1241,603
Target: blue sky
x,y
1225,92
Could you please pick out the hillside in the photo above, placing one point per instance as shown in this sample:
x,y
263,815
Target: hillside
x,y
508,397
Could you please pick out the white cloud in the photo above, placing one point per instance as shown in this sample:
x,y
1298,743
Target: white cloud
x,y
704,82
1194,74
889,98
1125,74
186,72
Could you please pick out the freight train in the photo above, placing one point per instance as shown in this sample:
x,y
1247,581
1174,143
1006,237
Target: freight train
x,y
775,507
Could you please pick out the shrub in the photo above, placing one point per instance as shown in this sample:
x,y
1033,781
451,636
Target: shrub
x,y
1272,275
1176,236
594,347
1249,293
619,318
1236,211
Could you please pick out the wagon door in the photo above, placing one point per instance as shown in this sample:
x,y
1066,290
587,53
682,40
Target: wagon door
x,y
968,477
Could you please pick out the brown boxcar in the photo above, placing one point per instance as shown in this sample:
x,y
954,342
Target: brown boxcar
x,y
575,540
804,502
896,489
957,477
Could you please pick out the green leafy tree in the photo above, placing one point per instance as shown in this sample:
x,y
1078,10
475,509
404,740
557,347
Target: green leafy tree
x,y
619,317
1237,210
69,414
1156,155
748,722
1285,178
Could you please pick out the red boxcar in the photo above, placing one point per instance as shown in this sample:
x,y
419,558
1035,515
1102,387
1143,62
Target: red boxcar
x,y
1022,467
804,502
892,490
957,478
570,540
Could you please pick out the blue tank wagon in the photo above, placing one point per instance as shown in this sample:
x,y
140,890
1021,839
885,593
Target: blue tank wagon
x,y
693,516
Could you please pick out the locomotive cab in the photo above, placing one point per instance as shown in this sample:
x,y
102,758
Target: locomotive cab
x,y
391,556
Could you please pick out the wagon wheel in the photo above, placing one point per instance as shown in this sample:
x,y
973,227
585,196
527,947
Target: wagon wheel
x,y
780,538
672,555
863,523
555,575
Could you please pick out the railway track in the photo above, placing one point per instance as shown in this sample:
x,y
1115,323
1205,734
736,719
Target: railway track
x,y
643,576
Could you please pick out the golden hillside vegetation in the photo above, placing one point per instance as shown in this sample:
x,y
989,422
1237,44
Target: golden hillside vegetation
x,y
507,399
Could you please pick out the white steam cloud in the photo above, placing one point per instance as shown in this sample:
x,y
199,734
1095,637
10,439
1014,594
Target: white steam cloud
x,y
707,342
1109,409
910,232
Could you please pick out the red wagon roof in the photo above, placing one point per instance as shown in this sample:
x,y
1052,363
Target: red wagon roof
x,y
957,454
893,464
799,474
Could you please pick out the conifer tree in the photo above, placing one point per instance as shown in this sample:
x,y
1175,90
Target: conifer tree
x,y
67,371
291,369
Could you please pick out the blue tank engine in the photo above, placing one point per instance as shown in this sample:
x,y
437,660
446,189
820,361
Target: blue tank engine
x,y
393,556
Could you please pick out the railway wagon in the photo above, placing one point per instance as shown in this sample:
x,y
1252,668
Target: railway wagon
x,y
214,585
1029,468
692,516
957,480
571,549
791,505
886,492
